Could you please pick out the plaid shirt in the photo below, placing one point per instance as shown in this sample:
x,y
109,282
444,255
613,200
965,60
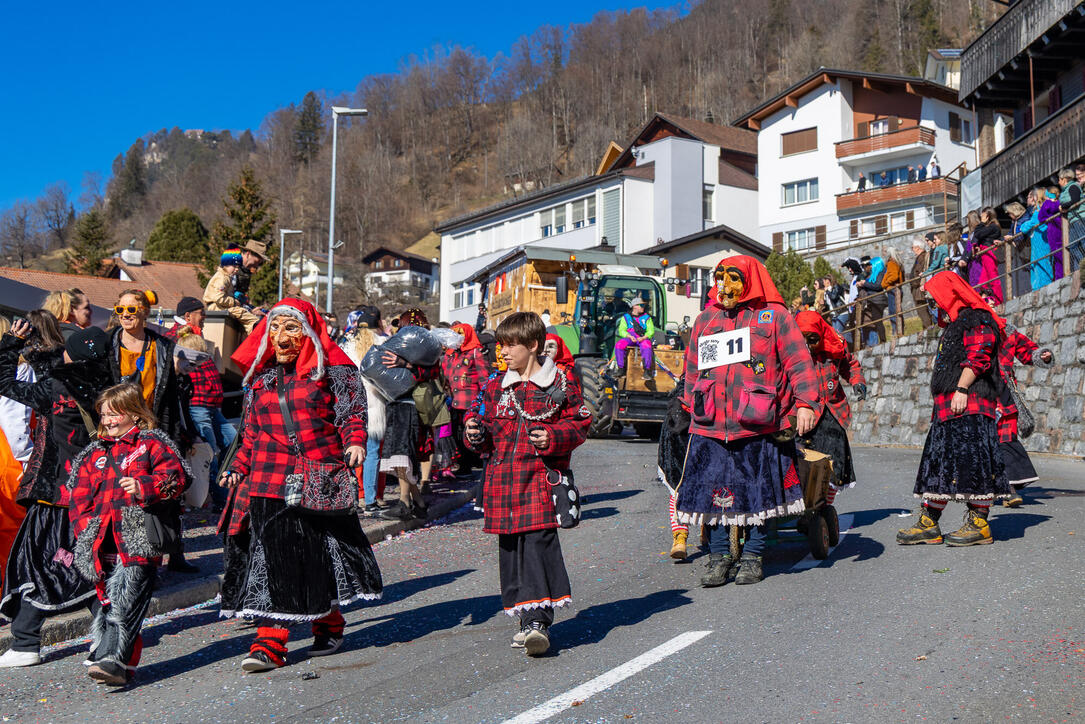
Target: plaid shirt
x,y
465,372
979,345
1015,346
96,494
330,416
751,398
206,385
515,493
830,371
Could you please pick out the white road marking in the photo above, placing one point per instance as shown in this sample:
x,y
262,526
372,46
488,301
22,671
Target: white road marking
x,y
604,681
810,561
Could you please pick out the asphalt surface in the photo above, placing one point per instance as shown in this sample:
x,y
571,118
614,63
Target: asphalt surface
x,y
875,633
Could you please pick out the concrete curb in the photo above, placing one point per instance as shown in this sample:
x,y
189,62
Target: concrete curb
x,y
76,624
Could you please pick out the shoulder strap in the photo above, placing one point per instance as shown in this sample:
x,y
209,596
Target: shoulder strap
x,y
92,430
284,407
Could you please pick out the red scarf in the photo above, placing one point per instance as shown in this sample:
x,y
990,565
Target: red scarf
x,y
757,282
470,339
952,294
830,344
563,358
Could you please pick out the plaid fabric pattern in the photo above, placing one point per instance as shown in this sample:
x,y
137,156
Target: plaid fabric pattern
x,y
1018,346
830,372
979,345
465,373
96,490
328,421
206,385
515,492
779,364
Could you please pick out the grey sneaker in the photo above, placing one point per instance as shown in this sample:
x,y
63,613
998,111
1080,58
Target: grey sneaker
x,y
518,637
719,565
749,571
537,639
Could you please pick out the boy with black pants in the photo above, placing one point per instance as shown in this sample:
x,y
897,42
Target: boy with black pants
x,y
529,420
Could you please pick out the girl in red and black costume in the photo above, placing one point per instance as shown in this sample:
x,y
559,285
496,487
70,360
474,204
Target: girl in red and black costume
x,y
283,564
1019,469
465,370
747,367
961,458
833,363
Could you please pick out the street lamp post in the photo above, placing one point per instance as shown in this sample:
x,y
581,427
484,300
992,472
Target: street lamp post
x,y
336,112
282,248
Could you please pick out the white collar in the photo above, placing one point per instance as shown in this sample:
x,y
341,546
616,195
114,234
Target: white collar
x,y
543,378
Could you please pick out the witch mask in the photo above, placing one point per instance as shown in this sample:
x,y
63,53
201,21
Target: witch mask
x,y
730,284
286,335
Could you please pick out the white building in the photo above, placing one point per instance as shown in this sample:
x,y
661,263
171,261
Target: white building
x,y
836,131
306,272
400,271
677,177
943,66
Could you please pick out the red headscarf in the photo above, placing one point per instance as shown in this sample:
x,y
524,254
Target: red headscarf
x,y
563,358
758,284
318,352
830,344
470,339
952,294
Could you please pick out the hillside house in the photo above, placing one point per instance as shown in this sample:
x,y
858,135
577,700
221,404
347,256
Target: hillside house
x,y
306,273
409,274
836,130
676,177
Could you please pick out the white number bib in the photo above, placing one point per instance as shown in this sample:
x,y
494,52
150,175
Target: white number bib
x,y
725,348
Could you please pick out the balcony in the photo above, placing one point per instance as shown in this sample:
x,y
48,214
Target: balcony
x,y
897,196
884,146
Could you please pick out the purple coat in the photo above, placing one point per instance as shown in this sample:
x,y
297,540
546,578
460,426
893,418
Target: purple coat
x,y
1053,233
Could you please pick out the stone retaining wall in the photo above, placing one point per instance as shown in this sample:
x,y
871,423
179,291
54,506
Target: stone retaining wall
x,y
898,375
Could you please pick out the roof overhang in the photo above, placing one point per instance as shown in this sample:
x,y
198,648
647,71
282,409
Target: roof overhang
x,y
590,257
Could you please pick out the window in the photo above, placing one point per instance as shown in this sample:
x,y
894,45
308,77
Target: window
x,y
463,295
960,129
879,127
399,263
801,239
707,196
559,219
578,214
546,223
966,132
800,192
583,213
898,222
799,141
591,210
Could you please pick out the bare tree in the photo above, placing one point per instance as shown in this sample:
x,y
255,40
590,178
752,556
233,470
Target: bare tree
x,y
19,236
56,212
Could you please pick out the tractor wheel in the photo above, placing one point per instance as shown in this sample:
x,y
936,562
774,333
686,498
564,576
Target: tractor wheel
x,y
593,386
648,430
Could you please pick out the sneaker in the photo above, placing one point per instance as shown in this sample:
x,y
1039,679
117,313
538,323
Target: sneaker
x,y
325,645
258,661
396,511
372,510
108,673
17,659
537,639
719,565
924,532
749,571
519,636
974,532
678,547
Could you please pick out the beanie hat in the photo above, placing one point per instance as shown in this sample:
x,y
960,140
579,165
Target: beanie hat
x,y
231,257
88,345
188,304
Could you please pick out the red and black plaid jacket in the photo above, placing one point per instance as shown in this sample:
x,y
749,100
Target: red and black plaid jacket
x,y
1015,346
99,504
206,385
830,371
465,372
515,493
751,398
330,415
979,344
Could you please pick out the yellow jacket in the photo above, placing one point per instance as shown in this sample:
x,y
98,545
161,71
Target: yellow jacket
x,y
219,297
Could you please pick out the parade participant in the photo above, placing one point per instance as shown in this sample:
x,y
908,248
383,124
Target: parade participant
x,y
530,419
220,293
39,580
191,313
114,486
673,442
833,363
364,329
961,460
465,370
635,327
556,349
1019,469
71,308
203,399
305,421
747,368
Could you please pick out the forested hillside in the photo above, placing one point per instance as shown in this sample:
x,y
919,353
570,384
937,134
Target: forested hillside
x,y
454,130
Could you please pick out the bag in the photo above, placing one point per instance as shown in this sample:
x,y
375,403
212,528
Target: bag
x,y
566,497
323,488
393,382
199,459
1026,421
415,344
429,399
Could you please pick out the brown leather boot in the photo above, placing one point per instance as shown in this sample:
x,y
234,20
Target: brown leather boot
x,y
974,532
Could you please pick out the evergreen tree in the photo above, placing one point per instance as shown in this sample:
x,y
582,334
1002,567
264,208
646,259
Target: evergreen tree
x,y
90,244
822,269
248,216
129,183
178,236
310,127
790,274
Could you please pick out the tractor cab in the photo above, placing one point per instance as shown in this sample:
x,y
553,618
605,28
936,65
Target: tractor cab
x,y
604,300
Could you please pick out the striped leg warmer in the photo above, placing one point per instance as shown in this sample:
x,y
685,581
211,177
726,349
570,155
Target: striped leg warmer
x,y
272,641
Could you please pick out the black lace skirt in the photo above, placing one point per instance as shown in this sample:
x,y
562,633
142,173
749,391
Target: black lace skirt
x,y
294,566
830,438
962,461
1019,468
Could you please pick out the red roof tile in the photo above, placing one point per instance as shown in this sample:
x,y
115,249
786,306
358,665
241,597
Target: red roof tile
x,y
169,280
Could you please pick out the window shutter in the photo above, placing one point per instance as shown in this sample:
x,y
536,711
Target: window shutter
x,y
1027,120
853,229
1054,100
909,220
954,127
778,242
799,141
894,123
863,130
881,224
819,237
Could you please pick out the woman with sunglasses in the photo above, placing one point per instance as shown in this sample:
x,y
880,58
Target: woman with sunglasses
x,y
144,358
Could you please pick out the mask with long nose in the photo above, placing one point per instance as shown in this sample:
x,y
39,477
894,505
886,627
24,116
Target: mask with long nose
x,y
730,284
286,337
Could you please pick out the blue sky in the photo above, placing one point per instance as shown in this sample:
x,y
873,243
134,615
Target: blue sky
x,y
82,80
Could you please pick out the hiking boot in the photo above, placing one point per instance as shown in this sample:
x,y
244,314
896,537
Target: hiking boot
x,y
537,639
108,673
925,531
396,511
1015,498
678,548
519,636
974,532
258,661
325,645
749,571
719,565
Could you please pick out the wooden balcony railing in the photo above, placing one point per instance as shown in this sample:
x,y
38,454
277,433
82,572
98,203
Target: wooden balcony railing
x,y
899,192
885,141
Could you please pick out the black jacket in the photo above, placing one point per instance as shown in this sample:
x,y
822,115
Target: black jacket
x,y
167,397
60,434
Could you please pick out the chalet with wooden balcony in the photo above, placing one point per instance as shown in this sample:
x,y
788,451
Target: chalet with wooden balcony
x,y
846,155
1025,77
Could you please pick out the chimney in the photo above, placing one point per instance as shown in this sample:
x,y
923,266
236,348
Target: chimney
x,y
132,257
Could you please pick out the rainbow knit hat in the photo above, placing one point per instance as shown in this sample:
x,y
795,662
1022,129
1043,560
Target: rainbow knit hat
x,y
231,257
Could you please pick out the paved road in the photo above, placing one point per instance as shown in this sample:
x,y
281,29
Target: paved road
x,y
874,633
